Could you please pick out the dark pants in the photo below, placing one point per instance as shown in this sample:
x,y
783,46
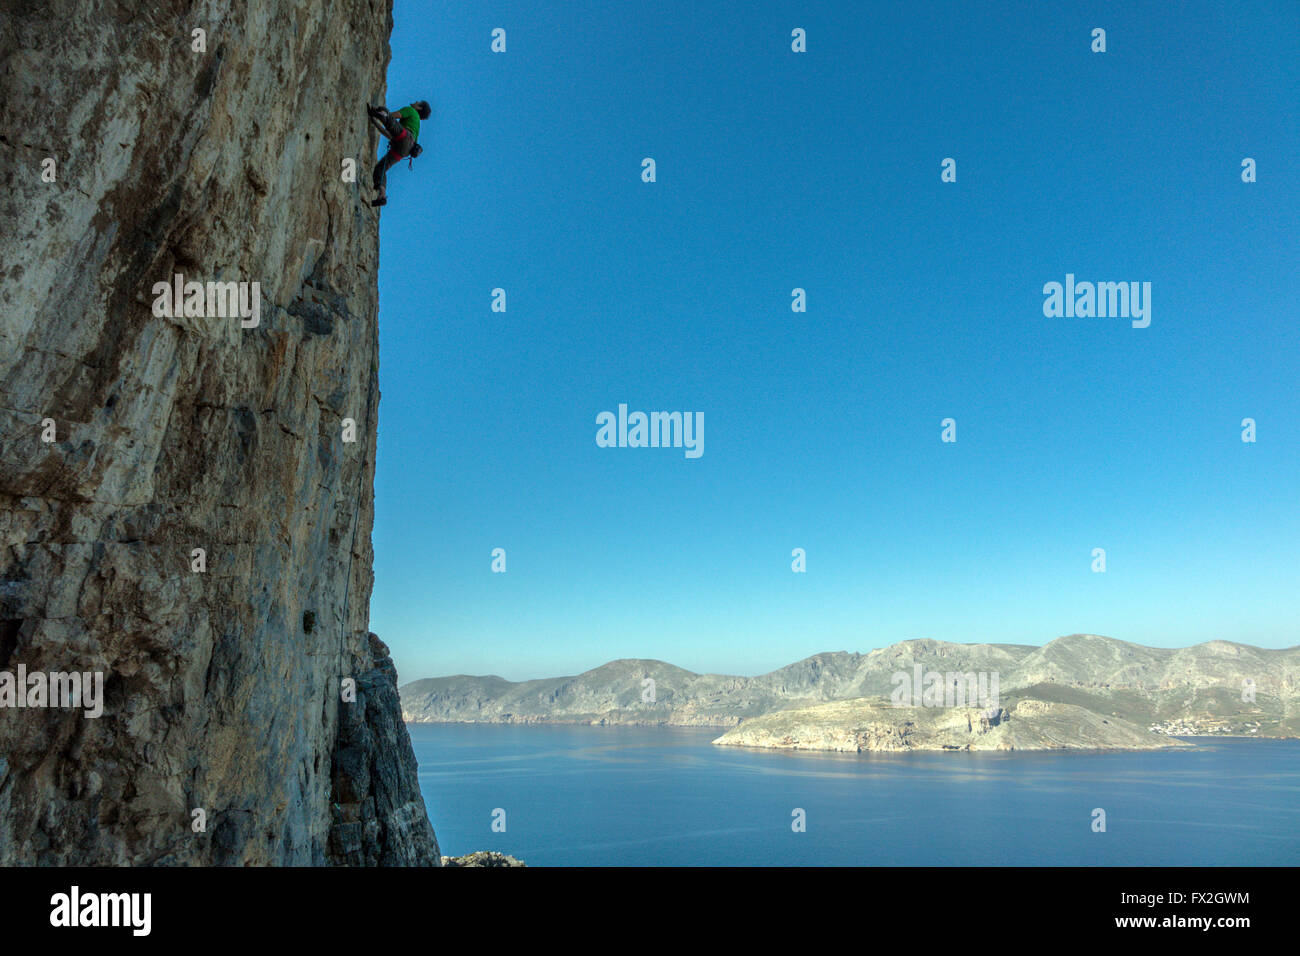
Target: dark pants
x,y
399,147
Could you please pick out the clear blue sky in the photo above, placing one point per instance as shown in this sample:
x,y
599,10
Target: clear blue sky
x,y
821,170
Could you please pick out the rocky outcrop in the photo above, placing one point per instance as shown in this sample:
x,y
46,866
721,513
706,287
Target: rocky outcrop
x,y
483,858
378,813
186,496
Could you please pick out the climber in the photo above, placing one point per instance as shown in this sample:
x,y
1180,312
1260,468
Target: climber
x,y
402,130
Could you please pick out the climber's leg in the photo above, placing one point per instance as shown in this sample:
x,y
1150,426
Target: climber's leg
x,y
400,147
381,170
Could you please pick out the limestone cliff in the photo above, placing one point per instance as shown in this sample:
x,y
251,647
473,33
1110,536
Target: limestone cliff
x,y
180,506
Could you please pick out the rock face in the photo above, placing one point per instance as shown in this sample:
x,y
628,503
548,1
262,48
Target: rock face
x,y
378,813
130,156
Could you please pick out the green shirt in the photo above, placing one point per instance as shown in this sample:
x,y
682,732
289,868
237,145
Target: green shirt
x,y
410,121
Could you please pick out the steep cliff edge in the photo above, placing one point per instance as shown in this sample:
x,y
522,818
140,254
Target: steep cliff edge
x,y
226,672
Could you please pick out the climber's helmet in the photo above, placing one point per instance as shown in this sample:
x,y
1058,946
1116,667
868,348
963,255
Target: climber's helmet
x,y
423,109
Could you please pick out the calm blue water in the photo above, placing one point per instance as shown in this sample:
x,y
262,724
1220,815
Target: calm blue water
x,y
601,796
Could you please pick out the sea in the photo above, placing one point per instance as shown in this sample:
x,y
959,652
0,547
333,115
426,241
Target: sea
x,y
555,795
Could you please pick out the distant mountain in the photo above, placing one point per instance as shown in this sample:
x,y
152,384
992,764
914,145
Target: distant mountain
x,y
1195,689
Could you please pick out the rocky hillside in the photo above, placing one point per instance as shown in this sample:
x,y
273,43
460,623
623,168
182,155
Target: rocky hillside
x,y
186,493
1197,689
874,725
617,692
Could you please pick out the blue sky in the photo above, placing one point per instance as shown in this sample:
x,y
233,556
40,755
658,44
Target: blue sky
x,y
821,170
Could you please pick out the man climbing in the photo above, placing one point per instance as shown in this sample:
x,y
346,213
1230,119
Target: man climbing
x,y
402,129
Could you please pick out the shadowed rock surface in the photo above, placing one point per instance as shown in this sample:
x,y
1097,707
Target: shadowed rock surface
x,y
172,434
